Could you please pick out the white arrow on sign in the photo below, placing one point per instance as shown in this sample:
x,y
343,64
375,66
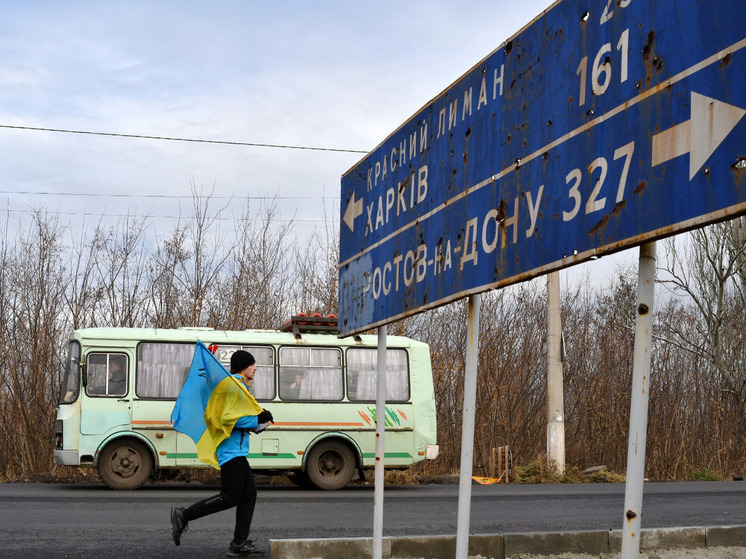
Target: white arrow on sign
x,y
354,209
711,122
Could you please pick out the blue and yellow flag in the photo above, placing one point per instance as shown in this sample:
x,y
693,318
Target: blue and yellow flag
x,y
210,403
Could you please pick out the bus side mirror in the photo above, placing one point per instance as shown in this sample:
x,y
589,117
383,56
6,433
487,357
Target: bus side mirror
x,y
84,370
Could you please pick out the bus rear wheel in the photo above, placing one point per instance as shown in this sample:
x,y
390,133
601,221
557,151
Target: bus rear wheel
x,y
330,465
125,464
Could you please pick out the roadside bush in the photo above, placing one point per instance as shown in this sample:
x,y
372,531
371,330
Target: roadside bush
x,y
704,474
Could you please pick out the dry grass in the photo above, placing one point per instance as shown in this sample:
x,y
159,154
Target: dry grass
x,y
543,470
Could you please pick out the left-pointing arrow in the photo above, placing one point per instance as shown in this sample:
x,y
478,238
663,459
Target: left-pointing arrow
x,y
711,122
354,209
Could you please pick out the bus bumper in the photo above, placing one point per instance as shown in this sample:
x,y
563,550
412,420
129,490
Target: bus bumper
x,y
431,451
66,457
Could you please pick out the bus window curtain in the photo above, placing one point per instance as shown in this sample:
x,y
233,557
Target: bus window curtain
x,y
321,384
263,385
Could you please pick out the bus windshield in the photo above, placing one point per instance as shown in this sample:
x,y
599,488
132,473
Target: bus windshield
x,y
70,382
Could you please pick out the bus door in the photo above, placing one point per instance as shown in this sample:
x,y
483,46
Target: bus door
x,y
108,407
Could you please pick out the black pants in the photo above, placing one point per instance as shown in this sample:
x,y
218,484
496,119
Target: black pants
x,y
237,490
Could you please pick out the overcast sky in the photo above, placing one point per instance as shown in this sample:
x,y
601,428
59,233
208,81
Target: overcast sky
x,y
340,75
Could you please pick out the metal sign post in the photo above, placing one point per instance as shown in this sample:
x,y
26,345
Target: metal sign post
x,y
638,412
380,444
467,428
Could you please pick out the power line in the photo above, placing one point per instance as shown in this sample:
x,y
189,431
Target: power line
x,y
174,139
188,196
152,216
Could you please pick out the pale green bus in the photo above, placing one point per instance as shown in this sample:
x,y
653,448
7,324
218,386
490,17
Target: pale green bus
x,y
120,386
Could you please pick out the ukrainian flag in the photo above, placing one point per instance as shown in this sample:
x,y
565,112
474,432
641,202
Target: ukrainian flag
x,y
210,403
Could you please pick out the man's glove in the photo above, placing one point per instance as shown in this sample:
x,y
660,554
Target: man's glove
x,y
265,417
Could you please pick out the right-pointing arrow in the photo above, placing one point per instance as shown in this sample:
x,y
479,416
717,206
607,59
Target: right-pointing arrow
x,y
711,122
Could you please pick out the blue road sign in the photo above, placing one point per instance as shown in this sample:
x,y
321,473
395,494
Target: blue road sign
x,y
601,125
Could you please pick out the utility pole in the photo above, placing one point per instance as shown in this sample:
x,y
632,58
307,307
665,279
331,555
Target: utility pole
x,y
555,390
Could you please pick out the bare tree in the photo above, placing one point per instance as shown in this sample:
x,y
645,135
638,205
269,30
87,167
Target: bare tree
x,y
511,394
444,328
120,263
710,271
209,253
33,282
598,364
316,273
165,289
257,283
83,295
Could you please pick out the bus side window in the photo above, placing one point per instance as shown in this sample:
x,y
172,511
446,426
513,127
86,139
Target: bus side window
x,y
162,368
263,385
362,374
311,374
107,374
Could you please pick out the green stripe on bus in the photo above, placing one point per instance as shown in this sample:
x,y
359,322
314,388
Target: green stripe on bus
x,y
388,455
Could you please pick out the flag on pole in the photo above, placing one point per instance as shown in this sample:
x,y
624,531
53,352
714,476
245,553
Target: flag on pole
x,y
210,403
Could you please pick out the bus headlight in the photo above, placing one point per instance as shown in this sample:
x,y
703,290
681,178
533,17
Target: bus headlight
x,y
431,451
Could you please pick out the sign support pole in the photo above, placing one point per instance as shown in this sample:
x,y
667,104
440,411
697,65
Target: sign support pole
x,y
380,446
467,427
638,413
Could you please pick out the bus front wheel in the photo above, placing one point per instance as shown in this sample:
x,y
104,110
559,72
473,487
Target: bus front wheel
x,y
330,465
125,464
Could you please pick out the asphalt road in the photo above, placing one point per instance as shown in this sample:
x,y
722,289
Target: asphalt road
x,y
85,521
